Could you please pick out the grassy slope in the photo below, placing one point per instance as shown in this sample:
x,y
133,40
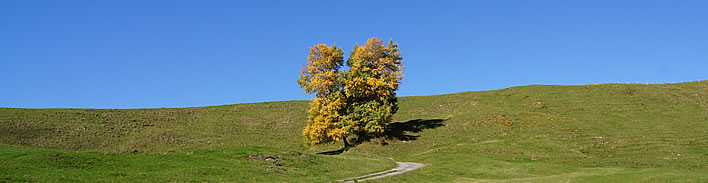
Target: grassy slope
x,y
239,164
138,141
589,133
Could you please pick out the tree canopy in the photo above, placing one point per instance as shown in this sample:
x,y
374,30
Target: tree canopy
x,y
360,101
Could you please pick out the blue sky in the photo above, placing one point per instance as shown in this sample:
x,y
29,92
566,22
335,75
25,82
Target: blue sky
x,y
151,54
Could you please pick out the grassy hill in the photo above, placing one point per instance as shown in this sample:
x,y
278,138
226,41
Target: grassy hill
x,y
586,133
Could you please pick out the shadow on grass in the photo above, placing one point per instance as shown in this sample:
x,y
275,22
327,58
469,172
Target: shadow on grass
x,y
396,131
335,152
400,130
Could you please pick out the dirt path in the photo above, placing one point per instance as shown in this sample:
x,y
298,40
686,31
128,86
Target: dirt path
x,y
402,168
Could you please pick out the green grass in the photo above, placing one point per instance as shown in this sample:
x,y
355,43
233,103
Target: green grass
x,y
585,133
239,164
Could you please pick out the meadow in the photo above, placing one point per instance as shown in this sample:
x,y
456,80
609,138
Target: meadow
x,y
536,133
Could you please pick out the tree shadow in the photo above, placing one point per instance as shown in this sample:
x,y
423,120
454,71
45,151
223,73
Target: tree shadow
x,y
335,152
396,131
400,130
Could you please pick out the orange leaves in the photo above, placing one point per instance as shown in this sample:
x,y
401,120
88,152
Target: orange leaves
x,y
361,100
375,69
320,74
322,77
376,72
325,119
337,134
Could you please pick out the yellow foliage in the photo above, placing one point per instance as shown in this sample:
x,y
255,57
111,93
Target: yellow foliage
x,y
377,70
324,119
359,101
321,73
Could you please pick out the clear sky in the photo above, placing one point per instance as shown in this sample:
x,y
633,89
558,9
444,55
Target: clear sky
x,y
151,54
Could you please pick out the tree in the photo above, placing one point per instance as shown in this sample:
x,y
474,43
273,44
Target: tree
x,y
323,77
360,101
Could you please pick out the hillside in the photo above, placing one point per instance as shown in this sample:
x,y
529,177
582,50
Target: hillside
x,y
585,133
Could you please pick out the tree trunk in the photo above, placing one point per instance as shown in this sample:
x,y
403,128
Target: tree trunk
x,y
346,144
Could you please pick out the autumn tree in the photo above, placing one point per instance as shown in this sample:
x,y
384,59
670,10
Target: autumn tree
x,y
360,101
322,76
